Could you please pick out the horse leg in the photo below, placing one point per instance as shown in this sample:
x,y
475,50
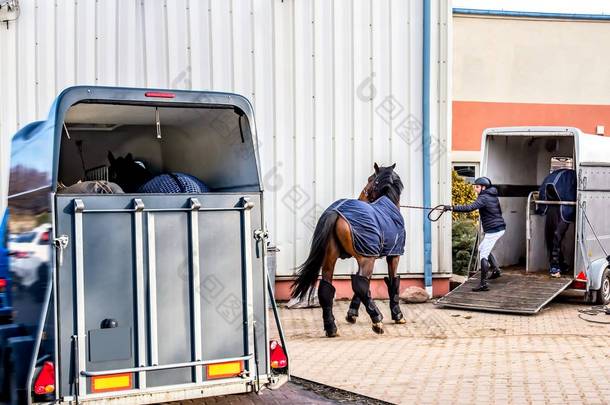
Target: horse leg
x,y
352,312
361,286
326,291
393,283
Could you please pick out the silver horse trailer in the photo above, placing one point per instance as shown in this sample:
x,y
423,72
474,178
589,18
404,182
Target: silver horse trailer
x,y
517,159
138,297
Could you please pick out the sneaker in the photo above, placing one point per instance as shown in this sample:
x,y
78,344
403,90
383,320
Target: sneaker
x,y
555,272
494,274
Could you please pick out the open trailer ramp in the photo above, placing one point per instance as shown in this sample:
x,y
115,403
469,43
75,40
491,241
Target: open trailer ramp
x,y
514,292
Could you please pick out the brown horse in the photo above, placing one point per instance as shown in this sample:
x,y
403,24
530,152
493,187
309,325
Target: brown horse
x,y
376,231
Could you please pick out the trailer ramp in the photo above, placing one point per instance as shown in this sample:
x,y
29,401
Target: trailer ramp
x,y
515,292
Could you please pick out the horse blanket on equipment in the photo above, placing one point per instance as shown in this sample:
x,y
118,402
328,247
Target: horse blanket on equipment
x,y
378,228
174,183
560,185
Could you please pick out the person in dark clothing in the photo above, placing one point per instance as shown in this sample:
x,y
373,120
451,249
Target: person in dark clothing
x,y
493,223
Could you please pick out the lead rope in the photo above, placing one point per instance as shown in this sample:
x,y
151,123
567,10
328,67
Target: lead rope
x,y
432,218
594,234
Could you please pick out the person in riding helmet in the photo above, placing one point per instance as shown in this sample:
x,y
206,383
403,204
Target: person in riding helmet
x,y
493,226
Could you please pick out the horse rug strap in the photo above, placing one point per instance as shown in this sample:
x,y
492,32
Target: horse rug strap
x,y
560,185
378,228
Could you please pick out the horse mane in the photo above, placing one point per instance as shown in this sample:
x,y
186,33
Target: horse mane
x,y
390,185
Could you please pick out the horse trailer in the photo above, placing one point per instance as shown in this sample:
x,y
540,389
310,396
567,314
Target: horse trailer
x,y
140,296
518,159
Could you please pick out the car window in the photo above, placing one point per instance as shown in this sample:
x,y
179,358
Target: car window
x,y
26,237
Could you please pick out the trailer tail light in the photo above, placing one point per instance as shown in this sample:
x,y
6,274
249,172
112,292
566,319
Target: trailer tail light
x,y
225,370
113,382
159,94
278,357
3,284
45,382
581,281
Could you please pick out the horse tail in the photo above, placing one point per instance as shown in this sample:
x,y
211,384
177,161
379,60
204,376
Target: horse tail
x,y
307,273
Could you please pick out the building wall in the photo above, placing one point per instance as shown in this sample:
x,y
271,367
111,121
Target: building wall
x,y
528,71
336,86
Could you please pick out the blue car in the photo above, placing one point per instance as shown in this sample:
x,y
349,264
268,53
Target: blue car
x,y
5,281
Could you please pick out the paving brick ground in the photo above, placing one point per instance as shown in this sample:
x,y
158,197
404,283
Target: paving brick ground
x,y
444,356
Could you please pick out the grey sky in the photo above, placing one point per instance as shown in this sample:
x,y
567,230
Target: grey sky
x,y
549,6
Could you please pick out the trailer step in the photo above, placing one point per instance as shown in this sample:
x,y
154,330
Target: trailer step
x,y
514,292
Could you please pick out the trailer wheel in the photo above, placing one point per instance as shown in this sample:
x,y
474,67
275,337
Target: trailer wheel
x,y
603,294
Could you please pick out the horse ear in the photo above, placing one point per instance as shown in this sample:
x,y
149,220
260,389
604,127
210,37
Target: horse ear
x,y
111,158
376,168
393,166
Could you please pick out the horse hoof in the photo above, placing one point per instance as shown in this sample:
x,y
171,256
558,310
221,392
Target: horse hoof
x,y
351,319
332,333
378,328
400,321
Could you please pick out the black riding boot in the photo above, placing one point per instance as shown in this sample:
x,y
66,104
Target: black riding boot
x,y
484,271
326,295
361,286
495,269
393,291
352,312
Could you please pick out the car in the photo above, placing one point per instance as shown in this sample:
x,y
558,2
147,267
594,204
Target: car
x,y
29,253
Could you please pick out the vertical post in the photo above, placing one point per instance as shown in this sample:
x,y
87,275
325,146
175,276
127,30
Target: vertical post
x,y
152,290
79,207
247,279
426,147
140,293
195,288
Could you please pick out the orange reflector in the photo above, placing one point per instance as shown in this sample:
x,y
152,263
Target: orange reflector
x,y
112,382
224,370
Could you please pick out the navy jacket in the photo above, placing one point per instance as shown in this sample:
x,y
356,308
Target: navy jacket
x,y
489,210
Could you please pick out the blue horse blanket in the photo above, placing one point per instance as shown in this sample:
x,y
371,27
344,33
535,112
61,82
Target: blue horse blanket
x,y
560,185
174,183
378,228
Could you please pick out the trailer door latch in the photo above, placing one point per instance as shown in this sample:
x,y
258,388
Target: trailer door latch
x,y
261,234
60,243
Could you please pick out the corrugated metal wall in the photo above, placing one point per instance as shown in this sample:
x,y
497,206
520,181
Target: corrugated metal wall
x,y
336,86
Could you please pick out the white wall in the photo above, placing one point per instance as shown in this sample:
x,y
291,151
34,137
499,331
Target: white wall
x,y
336,86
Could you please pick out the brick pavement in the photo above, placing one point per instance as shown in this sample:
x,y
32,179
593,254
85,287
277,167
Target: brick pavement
x,y
457,357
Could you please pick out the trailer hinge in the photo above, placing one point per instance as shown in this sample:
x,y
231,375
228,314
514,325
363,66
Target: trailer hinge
x,y
60,243
260,234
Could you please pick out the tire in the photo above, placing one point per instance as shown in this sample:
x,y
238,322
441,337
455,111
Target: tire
x,y
603,294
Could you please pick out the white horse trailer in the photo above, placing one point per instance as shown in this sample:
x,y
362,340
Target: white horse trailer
x,y
518,159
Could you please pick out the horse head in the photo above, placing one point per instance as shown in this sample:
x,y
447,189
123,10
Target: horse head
x,y
127,173
384,181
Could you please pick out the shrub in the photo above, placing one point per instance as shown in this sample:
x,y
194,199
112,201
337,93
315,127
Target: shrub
x,y
465,225
462,193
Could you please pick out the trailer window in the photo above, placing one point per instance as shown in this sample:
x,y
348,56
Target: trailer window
x,y
561,162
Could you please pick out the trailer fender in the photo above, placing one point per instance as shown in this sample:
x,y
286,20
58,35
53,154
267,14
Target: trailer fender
x,y
596,270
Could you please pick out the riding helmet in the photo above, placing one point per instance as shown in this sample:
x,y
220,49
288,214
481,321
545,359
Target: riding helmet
x,y
483,181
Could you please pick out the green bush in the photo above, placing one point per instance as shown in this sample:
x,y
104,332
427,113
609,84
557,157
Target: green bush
x,y
464,233
465,225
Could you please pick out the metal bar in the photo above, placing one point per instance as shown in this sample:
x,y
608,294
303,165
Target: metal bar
x,y
79,208
555,202
195,285
127,210
165,366
247,277
140,296
152,290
